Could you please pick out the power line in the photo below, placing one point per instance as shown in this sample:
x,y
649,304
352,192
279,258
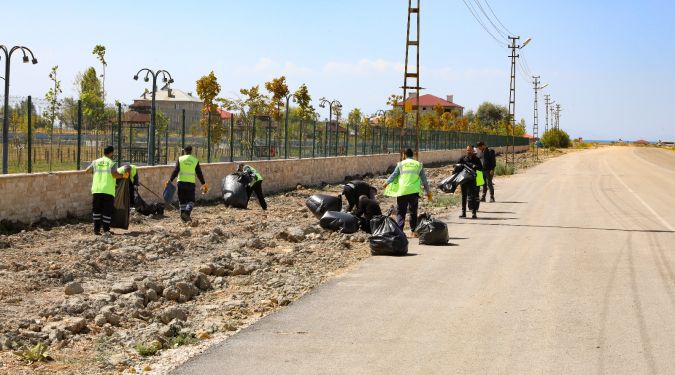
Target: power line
x,y
482,24
500,32
497,18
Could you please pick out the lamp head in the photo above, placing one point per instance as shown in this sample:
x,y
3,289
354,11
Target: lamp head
x,y
135,78
34,61
528,40
171,80
146,79
165,79
25,58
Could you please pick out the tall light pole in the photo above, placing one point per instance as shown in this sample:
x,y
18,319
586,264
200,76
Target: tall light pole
x,y
383,125
151,132
5,120
535,123
334,103
512,92
547,100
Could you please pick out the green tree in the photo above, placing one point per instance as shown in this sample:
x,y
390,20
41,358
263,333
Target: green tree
x,y
99,52
52,97
208,89
91,94
490,115
278,88
556,138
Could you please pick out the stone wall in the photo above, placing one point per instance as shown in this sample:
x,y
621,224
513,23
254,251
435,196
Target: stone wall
x,y
30,197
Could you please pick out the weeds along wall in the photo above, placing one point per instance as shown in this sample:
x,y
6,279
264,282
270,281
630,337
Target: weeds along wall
x,y
27,198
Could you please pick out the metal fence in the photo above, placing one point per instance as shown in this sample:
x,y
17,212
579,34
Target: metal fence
x,y
79,135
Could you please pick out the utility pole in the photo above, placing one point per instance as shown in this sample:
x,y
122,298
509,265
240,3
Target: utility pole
x,y
557,116
535,123
512,97
552,109
412,75
547,100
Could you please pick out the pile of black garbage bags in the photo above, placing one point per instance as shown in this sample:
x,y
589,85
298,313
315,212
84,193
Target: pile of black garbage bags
x,y
233,188
386,238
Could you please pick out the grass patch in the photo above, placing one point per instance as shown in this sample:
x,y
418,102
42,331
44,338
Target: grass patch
x,y
446,200
148,350
503,169
182,340
37,353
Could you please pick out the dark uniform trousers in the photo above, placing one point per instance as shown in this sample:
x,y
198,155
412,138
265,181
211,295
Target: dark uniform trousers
x,y
407,203
186,196
257,189
102,205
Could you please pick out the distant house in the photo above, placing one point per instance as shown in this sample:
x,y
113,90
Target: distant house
x,y
427,103
171,102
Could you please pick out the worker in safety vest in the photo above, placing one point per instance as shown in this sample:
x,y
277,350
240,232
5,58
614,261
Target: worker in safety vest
x,y
103,189
188,170
133,181
255,184
405,183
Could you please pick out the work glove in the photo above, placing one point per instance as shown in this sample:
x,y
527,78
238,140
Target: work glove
x,y
125,175
205,188
166,183
430,196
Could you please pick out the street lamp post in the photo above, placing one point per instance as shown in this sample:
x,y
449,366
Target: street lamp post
x,y
334,103
151,132
383,125
5,121
288,98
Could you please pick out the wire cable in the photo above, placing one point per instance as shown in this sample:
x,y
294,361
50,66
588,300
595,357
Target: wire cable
x,y
480,22
497,18
499,31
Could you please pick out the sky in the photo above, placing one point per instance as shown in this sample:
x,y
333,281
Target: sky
x,y
609,64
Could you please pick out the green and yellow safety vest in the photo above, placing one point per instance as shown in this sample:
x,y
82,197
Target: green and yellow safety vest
x,y
132,173
188,166
408,181
258,176
103,181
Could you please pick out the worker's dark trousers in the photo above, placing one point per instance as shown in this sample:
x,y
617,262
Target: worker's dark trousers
x,y
407,203
470,193
488,185
257,189
102,206
186,196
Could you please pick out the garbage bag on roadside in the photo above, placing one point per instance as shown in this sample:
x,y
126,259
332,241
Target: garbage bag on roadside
x,y
233,188
343,222
387,238
319,204
431,231
120,217
448,185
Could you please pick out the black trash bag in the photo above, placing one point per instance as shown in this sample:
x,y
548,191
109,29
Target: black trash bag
x,y
233,187
319,204
343,222
431,231
147,209
120,217
466,175
387,237
448,185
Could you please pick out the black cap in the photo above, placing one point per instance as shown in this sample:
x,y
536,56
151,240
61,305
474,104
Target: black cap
x,y
108,150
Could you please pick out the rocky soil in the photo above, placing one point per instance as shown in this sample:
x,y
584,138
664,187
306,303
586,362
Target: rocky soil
x,y
145,300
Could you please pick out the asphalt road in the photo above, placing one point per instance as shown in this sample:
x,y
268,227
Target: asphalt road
x,y
571,272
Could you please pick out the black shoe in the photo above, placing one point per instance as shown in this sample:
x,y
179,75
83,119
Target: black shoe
x,y
184,216
463,215
492,200
482,199
97,232
473,215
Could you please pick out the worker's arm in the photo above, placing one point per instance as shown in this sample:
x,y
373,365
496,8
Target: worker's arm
x,y
89,169
200,176
135,181
394,174
425,183
174,174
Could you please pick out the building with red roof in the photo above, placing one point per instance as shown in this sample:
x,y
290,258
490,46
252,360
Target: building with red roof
x,y
427,102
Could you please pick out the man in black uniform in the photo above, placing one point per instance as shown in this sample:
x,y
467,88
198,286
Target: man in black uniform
x,y
356,188
469,189
489,161
365,210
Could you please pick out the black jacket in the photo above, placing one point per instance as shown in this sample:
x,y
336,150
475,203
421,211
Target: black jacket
x,y
472,161
367,208
490,159
353,190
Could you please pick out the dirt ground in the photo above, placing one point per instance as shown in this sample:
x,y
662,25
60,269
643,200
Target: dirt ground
x,y
146,299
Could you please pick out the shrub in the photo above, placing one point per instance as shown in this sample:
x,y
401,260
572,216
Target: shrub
x,y
503,169
556,138
37,353
148,350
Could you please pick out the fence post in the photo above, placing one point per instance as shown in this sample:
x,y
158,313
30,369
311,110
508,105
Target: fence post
x,y
302,123
269,139
314,139
30,133
286,131
79,133
356,139
253,137
231,137
119,134
208,138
